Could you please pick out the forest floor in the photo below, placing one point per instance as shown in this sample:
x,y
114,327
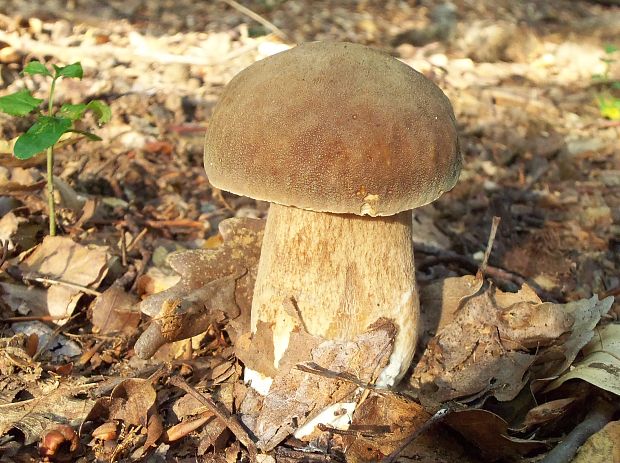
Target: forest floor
x,y
525,80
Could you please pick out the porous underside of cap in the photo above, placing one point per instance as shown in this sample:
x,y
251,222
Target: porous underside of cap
x,y
333,127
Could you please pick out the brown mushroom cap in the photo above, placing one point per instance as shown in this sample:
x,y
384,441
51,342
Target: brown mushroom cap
x,y
334,127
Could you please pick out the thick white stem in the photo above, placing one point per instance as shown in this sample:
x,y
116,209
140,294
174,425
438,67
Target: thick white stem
x,y
336,275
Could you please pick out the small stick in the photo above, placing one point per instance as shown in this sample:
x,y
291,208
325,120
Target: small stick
x,y
137,239
5,251
258,18
487,252
357,430
33,318
183,223
123,248
222,413
600,414
441,414
49,281
314,369
52,337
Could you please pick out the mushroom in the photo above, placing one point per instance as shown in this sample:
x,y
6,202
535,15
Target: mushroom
x,y
343,141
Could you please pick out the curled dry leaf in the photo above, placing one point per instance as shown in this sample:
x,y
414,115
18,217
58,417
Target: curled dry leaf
x,y
131,402
491,342
546,412
216,285
297,396
601,364
489,433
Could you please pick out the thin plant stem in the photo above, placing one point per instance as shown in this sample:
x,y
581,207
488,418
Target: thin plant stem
x,y
50,168
50,190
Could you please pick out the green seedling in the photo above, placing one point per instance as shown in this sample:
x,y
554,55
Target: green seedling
x,y
608,103
49,126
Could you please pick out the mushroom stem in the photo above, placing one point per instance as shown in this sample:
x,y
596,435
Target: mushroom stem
x,y
319,270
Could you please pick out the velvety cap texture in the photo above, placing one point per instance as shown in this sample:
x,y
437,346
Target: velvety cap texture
x,y
333,127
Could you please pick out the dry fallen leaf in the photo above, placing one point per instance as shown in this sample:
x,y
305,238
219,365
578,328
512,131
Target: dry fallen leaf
x,y
601,363
489,433
383,422
547,412
490,343
216,285
52,401
70,265
114,311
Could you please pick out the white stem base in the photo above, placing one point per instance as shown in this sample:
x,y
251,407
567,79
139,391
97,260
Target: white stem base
x,y
336,275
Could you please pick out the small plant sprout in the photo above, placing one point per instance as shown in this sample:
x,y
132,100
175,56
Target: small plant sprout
x,y
49,126
608,101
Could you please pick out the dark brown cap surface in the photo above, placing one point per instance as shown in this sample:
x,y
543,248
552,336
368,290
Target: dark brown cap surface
x,y
334,127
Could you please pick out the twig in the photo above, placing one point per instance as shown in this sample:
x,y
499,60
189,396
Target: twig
x,y
368,430
314,369
611,292
258,18
436,418
123,248
222,413
601,413
181,223
487,252
306,456
33,318
49,281
52,337
5,251
446,256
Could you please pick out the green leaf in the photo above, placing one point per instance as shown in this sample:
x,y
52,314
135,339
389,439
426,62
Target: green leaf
x,y
71,70
19,103
101,110
91,136
72,111
36,67
44,133
610,48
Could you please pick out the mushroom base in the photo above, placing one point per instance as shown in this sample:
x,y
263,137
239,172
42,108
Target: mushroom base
x,y
342,273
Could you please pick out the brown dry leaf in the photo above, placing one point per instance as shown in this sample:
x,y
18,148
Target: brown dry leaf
x,y
601,363
115,311
52,402
216,285
489,433
602,447
62,260
401,417
488,342
131,400
296,396
255,350
546,412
